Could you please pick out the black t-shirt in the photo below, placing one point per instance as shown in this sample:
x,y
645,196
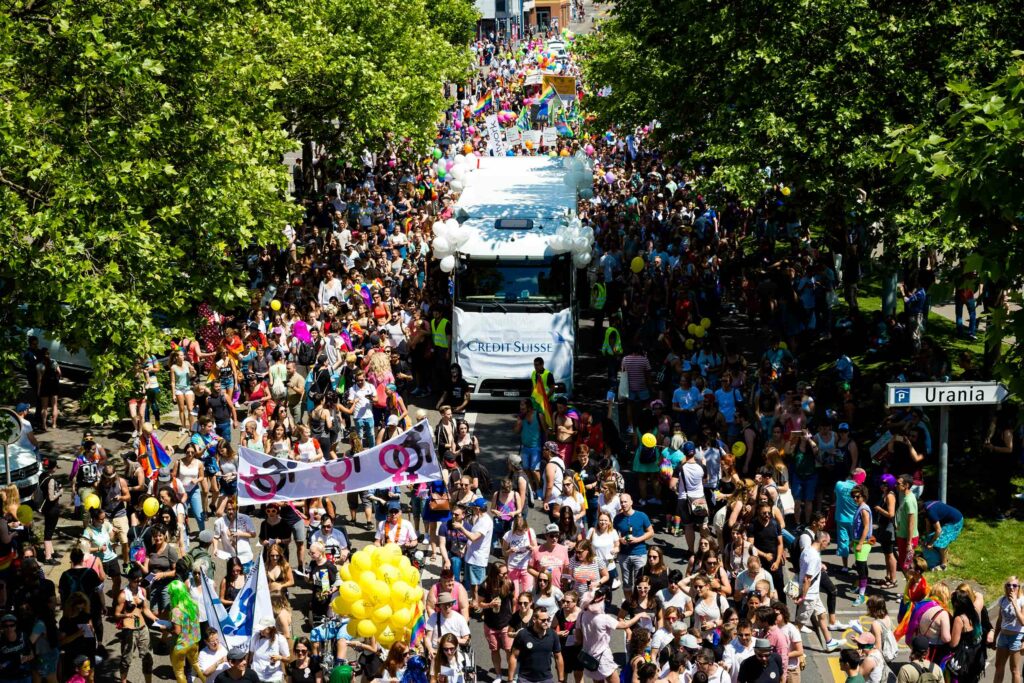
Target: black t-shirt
x,y
589,474
11,666
753,671
501,618
536,653
458,390
304,674
248,677
82,579
281,531
766,538
79,646
220,408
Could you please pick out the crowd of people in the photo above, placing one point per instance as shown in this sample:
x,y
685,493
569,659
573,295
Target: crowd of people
x,y
687,503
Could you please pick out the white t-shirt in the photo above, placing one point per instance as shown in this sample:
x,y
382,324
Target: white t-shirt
x,y
438,626
222,528
810,565
1010,624
520,550
604,545
362,401
735,654
478,552
207,657
691,484
26,429
401,534
333,542
612,507
680,600
262,649
261,431
793,633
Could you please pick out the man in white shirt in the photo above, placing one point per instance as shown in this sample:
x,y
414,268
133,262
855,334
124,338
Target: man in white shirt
x,y
334,540
361,397
738,649
810,611
444,621
394,529
231,534
674,595
478,550
26,439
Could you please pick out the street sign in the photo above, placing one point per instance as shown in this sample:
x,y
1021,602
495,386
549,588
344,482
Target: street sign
x,y
935,394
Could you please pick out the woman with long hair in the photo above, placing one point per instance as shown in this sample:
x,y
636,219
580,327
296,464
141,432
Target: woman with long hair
x,y
568,530
605,541
506,506
967,632
496,599
394,662
517,545
305,666
586,571
641,599
564,625
182,374
231,584
185,626
279,573
934,623
1009,631
885,533
449,662
546,594
48,376
656,569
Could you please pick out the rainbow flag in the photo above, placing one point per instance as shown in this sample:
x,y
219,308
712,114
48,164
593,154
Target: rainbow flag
x,y
541,403
547,97
523,120
482,104
419,628
367,295
152,456
563,129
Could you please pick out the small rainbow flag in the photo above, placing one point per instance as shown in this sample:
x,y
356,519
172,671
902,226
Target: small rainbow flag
x,y
482,104
547,96
540,400
152,456
563,129
367,295
419,628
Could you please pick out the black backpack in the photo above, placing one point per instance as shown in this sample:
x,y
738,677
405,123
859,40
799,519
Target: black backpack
x,y
794,547
307,353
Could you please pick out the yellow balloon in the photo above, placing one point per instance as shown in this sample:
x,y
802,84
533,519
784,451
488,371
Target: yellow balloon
x,y
366,628
417,595
388,573
691,328
362,562
345,572
783,345
689,344
339,605
391,553
91,501
411,576
739,449
564,153
648,440
637,264
400,618
358,609
380,592
786,191
705,323
350,591
404,564
402,590
353,628
150,506
386,637
371,551
275,304
699,332
24,515
366,580
382,614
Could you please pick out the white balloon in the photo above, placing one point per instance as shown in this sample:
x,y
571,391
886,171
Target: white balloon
x,y
460,159
440,229
441,244
580,245
557,243
587,233
448,263
581,260
456,185
452,224
458,173
458,237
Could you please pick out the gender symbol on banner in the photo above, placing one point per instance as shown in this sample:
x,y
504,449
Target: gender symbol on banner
x,y
265,485
346,465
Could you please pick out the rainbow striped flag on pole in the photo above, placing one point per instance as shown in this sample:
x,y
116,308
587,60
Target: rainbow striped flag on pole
x,y
562,126
152,456
547,97
541,402
419,628
481,106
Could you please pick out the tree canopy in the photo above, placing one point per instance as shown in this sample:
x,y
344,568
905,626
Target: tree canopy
x,y
142,149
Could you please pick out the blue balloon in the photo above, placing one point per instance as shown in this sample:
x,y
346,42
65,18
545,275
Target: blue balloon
x,y
510,153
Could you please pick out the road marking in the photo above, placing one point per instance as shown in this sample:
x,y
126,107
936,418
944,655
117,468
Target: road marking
x,y
837,673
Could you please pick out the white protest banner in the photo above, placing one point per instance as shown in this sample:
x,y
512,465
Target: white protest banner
x,y
409,458
531,136
495,141
513,137
550,137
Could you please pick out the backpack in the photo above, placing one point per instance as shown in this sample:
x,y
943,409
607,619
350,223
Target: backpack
x,y
926,675
306,354
889,646
483,478
279,390
40,497
794,547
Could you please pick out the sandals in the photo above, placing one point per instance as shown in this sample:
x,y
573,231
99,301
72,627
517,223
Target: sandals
x,y
887,584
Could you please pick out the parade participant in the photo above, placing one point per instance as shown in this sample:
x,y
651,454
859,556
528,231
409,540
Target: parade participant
x,y
534,649
634,529
184,618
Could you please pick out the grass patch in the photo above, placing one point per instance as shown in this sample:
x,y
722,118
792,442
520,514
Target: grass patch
x,y
986,552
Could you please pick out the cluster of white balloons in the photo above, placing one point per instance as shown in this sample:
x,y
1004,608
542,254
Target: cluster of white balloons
x,y
577,239
457,171
579,174
449,236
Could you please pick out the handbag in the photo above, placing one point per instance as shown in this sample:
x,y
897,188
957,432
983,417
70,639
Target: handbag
x,y
440,505
588,661
962,663
698,507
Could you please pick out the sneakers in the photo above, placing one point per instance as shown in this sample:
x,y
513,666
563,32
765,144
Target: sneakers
x,y
856,627
616,584
859,600
832,645
839,626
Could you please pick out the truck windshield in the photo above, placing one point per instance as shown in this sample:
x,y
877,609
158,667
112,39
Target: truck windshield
x,y
516,282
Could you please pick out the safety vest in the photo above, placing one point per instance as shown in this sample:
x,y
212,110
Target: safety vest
x,y
440,332
544,376
598,296
610,348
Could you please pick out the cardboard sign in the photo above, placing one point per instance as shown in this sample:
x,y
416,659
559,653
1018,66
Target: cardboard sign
x,y
550,137
563,85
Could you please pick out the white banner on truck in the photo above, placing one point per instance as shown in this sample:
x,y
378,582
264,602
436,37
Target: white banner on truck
x,y
503,345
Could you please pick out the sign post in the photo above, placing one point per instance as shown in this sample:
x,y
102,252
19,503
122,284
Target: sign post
x,y
942,395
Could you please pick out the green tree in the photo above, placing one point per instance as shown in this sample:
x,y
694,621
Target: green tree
x,y
455,19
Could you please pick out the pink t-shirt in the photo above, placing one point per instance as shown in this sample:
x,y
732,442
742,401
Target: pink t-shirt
x,y
777,637
556,559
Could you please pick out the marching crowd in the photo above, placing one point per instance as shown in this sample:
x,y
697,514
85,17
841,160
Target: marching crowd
x,y
749,464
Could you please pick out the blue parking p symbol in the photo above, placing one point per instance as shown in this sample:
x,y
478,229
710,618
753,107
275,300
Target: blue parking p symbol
x,y
901,395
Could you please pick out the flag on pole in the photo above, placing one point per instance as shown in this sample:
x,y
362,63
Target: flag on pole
x,y
152,456
419,628
482,104
548,100
540,400
562,126
523,120
252,604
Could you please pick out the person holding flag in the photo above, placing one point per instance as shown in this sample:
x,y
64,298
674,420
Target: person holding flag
x,y
152,454
543,383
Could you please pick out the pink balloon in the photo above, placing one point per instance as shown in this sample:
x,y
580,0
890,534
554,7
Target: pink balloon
x,y
471,130
448,164
589,149
391,163
458,124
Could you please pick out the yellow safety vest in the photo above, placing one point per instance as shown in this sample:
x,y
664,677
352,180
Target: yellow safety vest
x,y
543,379
598,296
609,348
440,332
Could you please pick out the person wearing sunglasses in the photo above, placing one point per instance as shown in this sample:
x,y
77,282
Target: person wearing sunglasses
x,y
1010,631
534,649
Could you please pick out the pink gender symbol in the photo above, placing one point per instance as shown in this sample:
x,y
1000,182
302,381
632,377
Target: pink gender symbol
x,y
345,466
398,474
252,485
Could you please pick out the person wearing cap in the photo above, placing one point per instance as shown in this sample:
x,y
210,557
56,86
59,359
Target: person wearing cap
x,y
26,438
478,550
445,620
550,556
764,667
269,651
131,610
906,524
872,664
395,529
16,652
594,629
919,663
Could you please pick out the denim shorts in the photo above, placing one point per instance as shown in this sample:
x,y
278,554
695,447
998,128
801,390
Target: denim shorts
x,y
475,574
531,457
1010,641
641,395
803,488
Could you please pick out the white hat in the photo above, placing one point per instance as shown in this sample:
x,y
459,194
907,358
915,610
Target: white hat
x,y
266,622
392,420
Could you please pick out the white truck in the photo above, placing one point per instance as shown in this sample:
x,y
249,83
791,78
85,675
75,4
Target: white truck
x,y
515,294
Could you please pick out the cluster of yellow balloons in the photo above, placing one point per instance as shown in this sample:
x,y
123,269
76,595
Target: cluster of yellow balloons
x,y
698,331
380,592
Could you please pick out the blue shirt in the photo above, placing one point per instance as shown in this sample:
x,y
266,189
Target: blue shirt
x,y
686,399
634,525
942,513
846,509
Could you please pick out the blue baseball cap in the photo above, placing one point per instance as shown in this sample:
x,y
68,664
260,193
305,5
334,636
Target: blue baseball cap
x,y
22,407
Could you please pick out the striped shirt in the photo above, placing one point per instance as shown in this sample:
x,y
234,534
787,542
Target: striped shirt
x,y
636,367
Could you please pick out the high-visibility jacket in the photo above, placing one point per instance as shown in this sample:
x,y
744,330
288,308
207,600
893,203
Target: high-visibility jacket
x,y
598,296
611,347
439,329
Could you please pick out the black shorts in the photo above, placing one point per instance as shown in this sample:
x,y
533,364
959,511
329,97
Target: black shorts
x,y
886,541
112,567
685,516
